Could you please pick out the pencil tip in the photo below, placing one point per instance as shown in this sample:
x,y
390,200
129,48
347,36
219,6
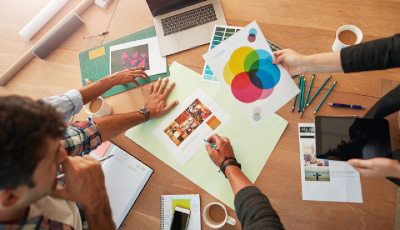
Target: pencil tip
x,y
301,114
315,112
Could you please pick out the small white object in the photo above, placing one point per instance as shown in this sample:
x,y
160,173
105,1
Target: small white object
x,y
42,18
103,3
213,224
104,110
338,45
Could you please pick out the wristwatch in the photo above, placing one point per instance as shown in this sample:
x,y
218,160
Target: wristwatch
x,y
145,112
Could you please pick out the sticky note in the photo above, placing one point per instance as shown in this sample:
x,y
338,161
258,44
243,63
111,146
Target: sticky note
x,y
101,150
183,203
97,53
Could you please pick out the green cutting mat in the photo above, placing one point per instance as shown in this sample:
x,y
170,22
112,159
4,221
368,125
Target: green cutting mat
x,y
99,67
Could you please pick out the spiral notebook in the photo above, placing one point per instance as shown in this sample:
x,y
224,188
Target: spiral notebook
x,y
192,202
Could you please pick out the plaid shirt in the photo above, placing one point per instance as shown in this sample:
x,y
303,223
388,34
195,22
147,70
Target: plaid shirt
x,y
80,138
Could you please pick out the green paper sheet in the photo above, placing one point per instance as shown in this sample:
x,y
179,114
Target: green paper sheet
x,y
252,146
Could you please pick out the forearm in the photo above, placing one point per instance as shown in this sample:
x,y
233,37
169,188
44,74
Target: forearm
x,y
99,216
236,178
112,126
94,90
322,63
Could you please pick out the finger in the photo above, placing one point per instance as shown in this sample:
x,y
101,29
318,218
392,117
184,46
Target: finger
x,y
140,76
60,192
225,139
151,88
138,68
360,163
209,149
169,89
363,171
279,59
136,82
163,84
140,71
278,53
157,85
170,106
216,138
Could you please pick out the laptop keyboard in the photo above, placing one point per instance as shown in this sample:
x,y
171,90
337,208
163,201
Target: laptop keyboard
x,y
189,19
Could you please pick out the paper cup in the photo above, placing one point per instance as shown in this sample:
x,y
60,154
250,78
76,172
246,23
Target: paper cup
x,y
213,224
338,45
104,110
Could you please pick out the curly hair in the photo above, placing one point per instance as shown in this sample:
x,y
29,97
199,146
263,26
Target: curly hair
x,y
25,124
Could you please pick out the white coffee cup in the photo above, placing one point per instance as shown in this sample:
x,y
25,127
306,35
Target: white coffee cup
x,y
213,224
104,110
338,45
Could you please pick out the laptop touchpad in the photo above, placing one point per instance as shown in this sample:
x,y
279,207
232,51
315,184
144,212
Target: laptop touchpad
x,y
193,37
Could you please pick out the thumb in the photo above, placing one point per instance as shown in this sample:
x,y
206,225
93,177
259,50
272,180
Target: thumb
x,y
279,59
170,106
359,163
60,192
209,148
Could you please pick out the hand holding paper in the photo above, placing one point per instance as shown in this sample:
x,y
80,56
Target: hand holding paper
x,y
377,167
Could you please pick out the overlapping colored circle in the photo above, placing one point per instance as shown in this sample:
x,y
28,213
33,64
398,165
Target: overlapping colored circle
x,y
251,74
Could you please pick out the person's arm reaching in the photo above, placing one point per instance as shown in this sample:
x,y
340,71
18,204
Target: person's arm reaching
x,y
252,207
94,90
377,167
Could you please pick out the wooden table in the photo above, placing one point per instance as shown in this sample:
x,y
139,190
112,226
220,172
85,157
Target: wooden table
x,y
305,26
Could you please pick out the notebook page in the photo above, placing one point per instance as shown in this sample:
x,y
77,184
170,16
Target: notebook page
x,y
125,177
195,214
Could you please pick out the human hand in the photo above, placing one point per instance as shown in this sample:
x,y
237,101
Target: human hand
x,y
128,76
313,160
377,167
224,146
290,60
156,102
84,182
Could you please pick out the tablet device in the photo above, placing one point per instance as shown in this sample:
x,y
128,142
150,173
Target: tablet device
x,y
344,138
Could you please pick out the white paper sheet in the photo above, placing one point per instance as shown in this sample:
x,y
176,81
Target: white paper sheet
x,y
325,180
155,63
184,130
243,66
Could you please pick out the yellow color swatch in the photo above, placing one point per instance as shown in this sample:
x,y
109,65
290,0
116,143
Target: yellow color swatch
x,y
97,53
213,122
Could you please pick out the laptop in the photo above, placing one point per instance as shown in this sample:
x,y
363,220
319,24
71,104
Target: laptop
x,y
185,24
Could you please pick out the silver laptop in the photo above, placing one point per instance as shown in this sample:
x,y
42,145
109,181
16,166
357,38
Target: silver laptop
x,y
185,24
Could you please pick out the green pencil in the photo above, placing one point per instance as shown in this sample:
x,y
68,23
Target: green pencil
x,y
319,90
295,97
308,93
302,96
301,92
324,97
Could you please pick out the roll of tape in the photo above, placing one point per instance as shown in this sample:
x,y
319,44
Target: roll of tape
x,y
57,36
42,18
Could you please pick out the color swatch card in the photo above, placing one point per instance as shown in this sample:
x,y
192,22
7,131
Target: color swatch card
x,y
243,66
143,52
221,33
184,130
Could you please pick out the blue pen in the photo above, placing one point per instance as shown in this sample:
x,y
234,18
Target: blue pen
x,y
348,106
213,146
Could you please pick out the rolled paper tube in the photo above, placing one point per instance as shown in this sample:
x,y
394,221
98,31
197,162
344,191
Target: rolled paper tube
x,y
42,18
24,59
57,37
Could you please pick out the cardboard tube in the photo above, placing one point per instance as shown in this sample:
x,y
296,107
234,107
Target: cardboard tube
x,y
42,18
24,59
58,36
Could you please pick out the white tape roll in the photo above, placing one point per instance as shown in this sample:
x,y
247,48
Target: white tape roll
x,y
42,18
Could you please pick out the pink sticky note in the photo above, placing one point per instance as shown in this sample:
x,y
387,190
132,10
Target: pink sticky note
x,y
101,150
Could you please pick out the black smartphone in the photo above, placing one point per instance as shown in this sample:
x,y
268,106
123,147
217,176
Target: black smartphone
x,y
180,220
345,138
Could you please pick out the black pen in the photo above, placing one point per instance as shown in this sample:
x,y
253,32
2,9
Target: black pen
x,y
348,106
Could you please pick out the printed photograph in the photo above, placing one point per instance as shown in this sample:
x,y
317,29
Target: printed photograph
x,y
312,160
129,58
198,111
181,128
308,148
317,174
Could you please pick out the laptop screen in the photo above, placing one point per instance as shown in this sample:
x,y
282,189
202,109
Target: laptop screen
x,y
159,7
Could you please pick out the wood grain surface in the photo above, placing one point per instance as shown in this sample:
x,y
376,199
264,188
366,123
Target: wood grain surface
x,y
305,26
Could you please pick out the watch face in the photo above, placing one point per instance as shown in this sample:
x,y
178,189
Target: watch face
x,y
144,111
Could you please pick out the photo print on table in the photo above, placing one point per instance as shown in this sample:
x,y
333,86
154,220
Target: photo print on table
x,y
190,119
130,58
312,173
